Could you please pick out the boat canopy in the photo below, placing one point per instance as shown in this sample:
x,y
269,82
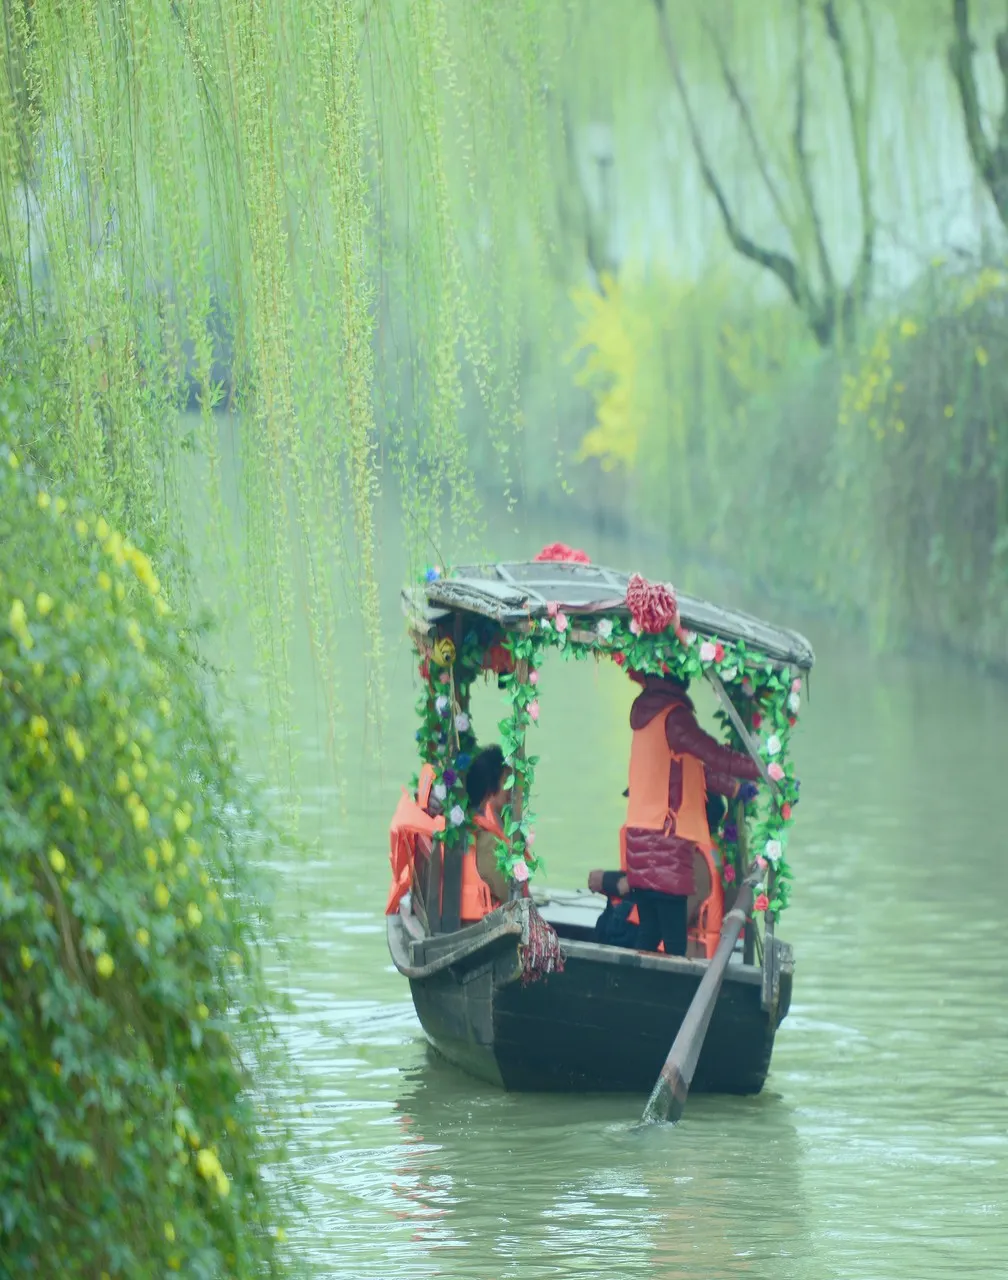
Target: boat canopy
x,y
515,593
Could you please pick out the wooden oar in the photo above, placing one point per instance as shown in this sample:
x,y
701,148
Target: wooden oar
x,y
668,1098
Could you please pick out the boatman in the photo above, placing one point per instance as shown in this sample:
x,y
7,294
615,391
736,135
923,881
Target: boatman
x,y
673,762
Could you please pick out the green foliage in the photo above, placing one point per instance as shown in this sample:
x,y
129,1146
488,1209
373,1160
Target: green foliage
x,y
767,696
293,177
136,1052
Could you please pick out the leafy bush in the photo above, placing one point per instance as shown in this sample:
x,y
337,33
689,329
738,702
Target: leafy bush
x,y
135,1046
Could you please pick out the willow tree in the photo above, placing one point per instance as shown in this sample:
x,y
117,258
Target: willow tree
x,y
990,155
290,174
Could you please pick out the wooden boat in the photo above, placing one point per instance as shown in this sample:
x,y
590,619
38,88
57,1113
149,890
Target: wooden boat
x,y
606,1020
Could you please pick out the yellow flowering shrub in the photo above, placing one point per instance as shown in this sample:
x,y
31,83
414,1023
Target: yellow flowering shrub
x,y
133,1023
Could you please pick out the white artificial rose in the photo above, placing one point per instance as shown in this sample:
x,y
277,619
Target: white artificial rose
x,y
773,745
457,816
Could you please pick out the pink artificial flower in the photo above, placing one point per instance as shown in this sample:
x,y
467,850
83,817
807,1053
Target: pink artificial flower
x,y
761,862
729,874
551,608
761,903
775,771
520,872
530,840
796,685
560,623
635,627
533,709
533,677
707,651
444,677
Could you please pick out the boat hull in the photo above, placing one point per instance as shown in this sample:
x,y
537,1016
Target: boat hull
x,y
605,1024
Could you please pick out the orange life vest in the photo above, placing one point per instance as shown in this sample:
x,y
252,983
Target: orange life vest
x,y
651,759
408,822
477,899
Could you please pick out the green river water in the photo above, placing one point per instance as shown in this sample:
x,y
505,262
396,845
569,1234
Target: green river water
x,y
879,1148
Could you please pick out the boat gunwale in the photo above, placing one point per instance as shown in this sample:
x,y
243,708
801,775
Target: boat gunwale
x,y
479,940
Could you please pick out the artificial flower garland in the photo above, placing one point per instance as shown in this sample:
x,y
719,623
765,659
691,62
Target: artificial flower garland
x,y
652,642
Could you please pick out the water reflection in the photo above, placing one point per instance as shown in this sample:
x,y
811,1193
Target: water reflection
x,y
547,1186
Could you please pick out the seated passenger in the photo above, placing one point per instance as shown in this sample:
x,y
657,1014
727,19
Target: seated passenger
x,y
487,798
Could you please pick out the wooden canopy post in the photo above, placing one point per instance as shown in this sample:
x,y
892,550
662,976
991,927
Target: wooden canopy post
x,y
517,790
451,875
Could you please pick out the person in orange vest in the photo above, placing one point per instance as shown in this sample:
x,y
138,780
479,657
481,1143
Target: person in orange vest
x,y
487,798
673,762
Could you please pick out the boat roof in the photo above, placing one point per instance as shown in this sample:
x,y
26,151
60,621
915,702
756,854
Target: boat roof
x,y
515,592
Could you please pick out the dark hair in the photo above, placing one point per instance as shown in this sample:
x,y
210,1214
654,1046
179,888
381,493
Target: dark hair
x,y
485,775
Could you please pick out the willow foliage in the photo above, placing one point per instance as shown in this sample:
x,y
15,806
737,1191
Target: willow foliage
x,y
290,176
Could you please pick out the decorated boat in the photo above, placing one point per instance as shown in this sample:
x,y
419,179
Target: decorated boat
x,y
521,992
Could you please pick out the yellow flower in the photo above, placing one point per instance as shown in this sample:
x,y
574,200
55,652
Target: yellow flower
x,y
981,356
43,603
140,771
120,591
164,706
162,607
169,1233
222,1183
17,620
14,461
203,1011
151,857
66,795
38,726
141,818
167,850
26,958
133,631
101,529
194,846
114,547
182,821
104,581
81,527
908,329
120,736
43,500
105,965
57,861
60,505
73,741
161,896
207,1163
143,937
194,915
122,782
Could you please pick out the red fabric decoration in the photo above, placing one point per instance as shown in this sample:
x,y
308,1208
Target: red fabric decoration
x,y
542,954
561,551
652,605
498,660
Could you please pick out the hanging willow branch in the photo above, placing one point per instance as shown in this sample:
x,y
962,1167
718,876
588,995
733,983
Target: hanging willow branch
x,y
831,311
990,158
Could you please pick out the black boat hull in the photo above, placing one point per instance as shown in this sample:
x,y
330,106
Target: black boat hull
x,y
605,1024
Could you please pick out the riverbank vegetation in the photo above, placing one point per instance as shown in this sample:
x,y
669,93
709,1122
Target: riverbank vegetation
x,y
137,1054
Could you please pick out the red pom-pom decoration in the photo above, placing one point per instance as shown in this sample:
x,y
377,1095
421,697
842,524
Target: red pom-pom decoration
x,y
560,551
652,605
